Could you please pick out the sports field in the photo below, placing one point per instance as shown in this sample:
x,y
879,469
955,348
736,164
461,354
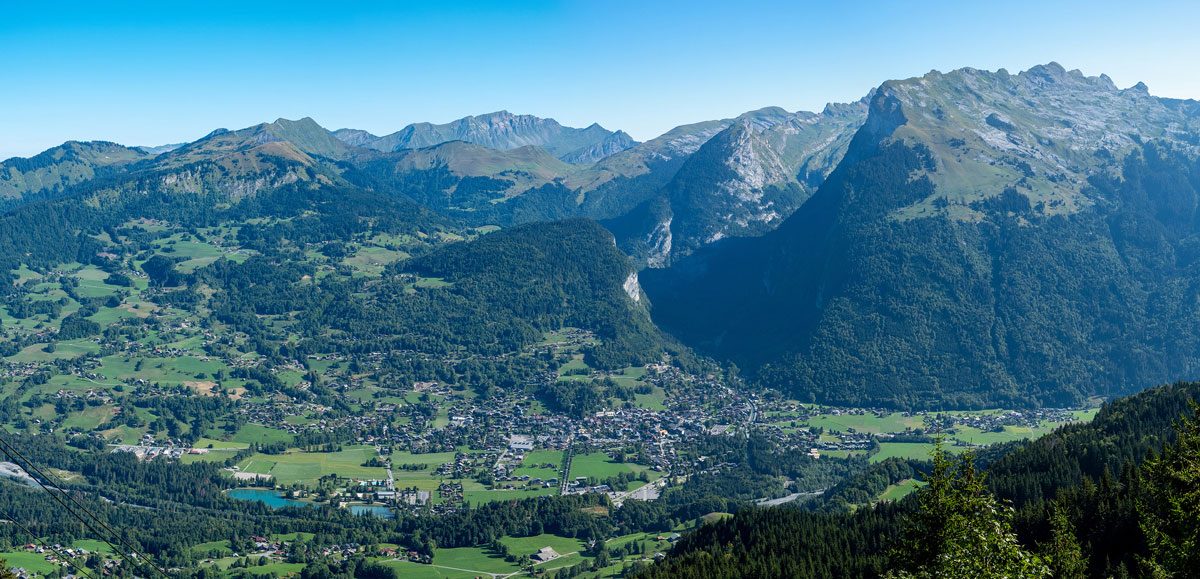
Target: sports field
x,y
306,467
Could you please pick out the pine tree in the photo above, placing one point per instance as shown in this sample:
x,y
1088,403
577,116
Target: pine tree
x,y
1063,551
960,530
1170,508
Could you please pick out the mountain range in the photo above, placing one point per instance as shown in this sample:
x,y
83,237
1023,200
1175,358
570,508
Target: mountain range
x,y
987,238
501,130
957,239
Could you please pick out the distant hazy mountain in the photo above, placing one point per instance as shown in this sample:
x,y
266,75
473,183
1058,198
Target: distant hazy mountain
x,y
355,137
610,145
159,149
473,182
297,140
56,169
515,185
988,238
502,131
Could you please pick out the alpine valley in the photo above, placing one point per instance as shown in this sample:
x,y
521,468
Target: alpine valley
x,y
779,344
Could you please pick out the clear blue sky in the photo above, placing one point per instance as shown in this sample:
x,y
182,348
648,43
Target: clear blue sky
x,y
171,70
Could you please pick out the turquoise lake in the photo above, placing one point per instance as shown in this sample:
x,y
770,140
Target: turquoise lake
x,y
268,497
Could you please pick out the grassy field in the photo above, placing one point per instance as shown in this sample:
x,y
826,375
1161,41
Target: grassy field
x,y
532,465
91,283
599,465
431,282
575,364
89,418
29,561
92,545
410,570
895,422
307,467
64,350
274,569
251,433
526,546
421,479
219,444
218,546
1010,433
655,400
372,259
915,450
163,370
900,490
629,377
478,496
210,456
473,559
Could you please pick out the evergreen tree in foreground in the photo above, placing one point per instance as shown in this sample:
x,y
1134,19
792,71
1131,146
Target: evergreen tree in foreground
x,y
960,530
1170,508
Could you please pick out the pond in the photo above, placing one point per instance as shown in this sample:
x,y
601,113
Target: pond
x,y
271,498
376,510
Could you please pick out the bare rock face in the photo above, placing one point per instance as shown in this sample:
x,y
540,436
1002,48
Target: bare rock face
x,y
748,178
503,131
631,287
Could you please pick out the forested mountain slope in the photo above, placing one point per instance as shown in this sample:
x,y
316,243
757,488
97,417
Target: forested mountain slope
x,y
988,239
54,170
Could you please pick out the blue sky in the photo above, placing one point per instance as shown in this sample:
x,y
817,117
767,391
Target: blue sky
x,y
169,71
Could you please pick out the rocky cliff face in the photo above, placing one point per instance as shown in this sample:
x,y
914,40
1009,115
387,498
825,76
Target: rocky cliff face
x,y
747,178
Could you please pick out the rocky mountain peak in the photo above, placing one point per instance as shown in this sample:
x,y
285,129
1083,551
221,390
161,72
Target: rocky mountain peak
x,y
1041,133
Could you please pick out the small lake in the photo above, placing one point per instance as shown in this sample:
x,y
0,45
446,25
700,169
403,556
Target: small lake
x,y
271,498
374,510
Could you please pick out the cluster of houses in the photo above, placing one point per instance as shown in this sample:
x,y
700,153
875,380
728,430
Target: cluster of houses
x,y
996,421
149,449
54,555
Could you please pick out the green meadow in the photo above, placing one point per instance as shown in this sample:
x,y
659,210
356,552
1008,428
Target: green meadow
x,y
306,467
